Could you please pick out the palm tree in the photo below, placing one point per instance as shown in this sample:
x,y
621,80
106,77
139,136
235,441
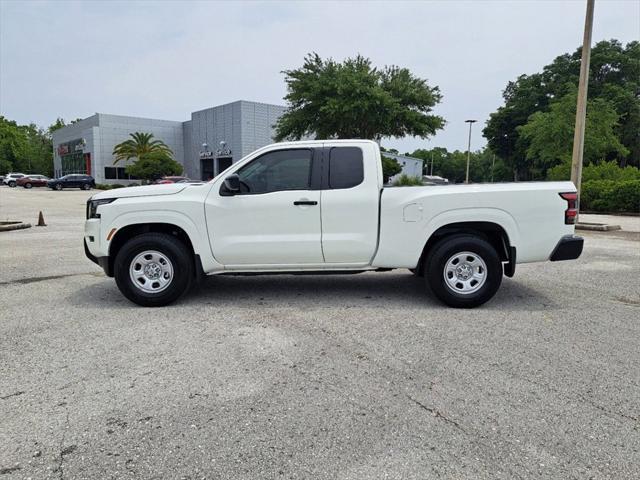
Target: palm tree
x,y
140,144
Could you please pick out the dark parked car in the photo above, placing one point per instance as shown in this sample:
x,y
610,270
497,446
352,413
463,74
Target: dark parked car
x,y
32,181
83,182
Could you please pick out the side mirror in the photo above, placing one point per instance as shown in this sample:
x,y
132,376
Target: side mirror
x,y
232,184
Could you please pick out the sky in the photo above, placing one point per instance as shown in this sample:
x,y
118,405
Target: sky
x,y
165,59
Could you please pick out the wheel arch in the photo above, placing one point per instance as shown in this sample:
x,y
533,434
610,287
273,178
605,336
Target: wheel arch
x,y
492,232
128,232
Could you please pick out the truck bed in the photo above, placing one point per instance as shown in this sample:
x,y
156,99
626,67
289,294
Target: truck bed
x,y
531,214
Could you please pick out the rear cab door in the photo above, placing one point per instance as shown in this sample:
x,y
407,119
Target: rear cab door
x,y
350,202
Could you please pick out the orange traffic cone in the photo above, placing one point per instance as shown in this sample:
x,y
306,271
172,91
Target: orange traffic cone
x,y
41,220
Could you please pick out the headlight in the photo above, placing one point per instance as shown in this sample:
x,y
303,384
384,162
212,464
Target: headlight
x,y
92,206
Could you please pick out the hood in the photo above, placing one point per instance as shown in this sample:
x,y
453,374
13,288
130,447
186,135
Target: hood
x,y
142,191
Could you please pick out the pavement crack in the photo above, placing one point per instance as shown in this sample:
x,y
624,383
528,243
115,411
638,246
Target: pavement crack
x,y
26,281
4,471
609,413
436,413
15,394
64,451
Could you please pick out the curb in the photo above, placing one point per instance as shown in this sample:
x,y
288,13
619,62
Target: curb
x,y
8,226
597,227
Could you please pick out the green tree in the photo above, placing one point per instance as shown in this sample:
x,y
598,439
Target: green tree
x,y
549,135
522,97
353,99
614,76
390,167
484,165
154,165
25,148
139,145
60,123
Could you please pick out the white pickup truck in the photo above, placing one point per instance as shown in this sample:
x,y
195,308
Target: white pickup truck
x,y
320,207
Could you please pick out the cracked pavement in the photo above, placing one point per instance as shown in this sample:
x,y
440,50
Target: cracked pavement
x,y
348,376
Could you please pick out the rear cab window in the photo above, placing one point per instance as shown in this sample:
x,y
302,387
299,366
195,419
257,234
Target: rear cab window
x,y
346,167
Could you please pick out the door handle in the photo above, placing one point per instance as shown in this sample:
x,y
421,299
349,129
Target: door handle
x,y
305,202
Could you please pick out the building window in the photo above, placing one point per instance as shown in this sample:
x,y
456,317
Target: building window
x,y
117,173
73,163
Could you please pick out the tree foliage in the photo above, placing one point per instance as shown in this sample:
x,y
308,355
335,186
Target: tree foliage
x,y
614,78
25,148
549,135
484,165
139,145
353,99
390,167
154,165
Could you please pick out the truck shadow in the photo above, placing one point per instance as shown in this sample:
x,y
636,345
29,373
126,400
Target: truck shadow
x,y
370,290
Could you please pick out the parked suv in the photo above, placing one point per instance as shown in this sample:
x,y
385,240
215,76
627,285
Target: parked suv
x,y
11,178
32,181
83,182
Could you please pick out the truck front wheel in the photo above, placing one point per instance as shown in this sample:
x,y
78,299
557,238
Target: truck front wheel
x,y
153,269
463,271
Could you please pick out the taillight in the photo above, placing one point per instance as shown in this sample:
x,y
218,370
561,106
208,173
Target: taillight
x,y
571,213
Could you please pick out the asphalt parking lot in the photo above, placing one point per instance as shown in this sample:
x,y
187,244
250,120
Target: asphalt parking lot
x,y
348,377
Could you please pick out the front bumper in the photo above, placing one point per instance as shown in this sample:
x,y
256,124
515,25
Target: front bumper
x,y
103,262
568,248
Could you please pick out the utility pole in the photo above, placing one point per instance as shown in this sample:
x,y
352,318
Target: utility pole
x,y
431,163
581,107
470,122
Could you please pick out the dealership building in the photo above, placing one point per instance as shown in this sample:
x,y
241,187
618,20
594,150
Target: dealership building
x,y
205,145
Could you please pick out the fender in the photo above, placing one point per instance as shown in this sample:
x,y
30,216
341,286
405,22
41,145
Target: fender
x,y
491,215
197,235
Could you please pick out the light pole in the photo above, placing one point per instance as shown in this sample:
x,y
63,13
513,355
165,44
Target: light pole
x,y
581,107
470,122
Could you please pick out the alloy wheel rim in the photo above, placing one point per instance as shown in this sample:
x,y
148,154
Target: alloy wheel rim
x,y
465,273
151,271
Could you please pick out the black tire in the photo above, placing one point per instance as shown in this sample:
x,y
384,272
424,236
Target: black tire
x,y
86,186
446,249
416,271
12,184
58,187
173,249
28,185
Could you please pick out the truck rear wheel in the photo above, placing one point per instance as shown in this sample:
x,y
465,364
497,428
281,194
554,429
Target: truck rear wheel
x,y
463,271
153,269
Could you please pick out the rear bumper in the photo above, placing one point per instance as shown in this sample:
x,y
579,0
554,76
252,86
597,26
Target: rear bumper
x,y
103,262
568,248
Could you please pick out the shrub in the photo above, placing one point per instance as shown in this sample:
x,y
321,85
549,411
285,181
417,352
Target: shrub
x,y
610,196
407,181
600,171
102,186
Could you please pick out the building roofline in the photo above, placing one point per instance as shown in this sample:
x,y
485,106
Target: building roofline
x,y
241,101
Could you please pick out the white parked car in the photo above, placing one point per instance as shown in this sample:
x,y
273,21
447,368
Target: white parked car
x,y
319,206
11,178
